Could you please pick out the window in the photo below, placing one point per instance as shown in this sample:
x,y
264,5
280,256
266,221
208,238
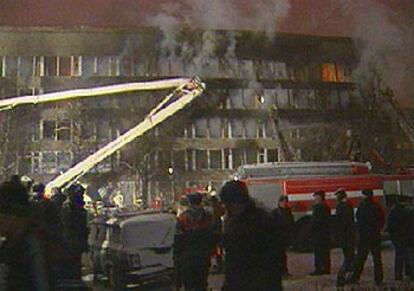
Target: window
x,y
2,66
38,66
50,66
215,159
88,66
272,155
64,66
332,72
250,128
127,66
190,160
227,158
201,159
214,125
262,156
237,129
26,66
236,99
75,66
238,157
56,129
103,65
114,66
251,156
201,128
11,67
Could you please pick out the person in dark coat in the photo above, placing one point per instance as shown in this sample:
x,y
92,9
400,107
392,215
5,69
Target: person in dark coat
x,y
321,234
22,254
345,233
370,220
398,225
75,229
194,241
410,244
252,243
286,222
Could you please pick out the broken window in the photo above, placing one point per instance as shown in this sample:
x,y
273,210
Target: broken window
x,y
50,64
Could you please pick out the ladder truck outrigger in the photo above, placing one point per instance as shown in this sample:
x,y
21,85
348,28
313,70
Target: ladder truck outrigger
x,y
185,91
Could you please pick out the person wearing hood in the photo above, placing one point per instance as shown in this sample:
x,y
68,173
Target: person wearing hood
x,y
252,243
193,244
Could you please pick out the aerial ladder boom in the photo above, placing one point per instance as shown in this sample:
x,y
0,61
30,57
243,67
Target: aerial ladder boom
x,y
10,103
177,100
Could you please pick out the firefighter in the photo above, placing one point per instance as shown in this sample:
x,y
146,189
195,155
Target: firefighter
x,y
250,236
345,233
398,223
321,225
370,220
286,222
193,244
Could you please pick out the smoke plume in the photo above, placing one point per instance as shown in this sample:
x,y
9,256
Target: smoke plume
x,y
385,42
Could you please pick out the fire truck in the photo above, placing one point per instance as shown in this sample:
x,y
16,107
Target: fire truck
x,y
299,180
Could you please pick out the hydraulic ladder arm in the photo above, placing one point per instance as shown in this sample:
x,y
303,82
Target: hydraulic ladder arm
x,y
188,90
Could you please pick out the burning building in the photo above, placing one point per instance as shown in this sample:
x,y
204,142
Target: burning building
x,y
268,99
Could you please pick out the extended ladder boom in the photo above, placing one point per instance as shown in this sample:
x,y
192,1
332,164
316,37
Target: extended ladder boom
x,y
172,103
10,103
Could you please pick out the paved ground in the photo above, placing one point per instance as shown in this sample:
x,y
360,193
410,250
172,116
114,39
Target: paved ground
x,y
301,264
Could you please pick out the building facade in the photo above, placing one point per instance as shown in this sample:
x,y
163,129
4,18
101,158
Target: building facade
x,y
257,88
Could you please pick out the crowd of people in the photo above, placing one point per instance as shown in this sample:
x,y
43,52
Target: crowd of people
x,y
42,238
255,241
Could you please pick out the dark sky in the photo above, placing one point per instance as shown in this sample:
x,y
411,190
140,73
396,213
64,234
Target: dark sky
x,y
326,17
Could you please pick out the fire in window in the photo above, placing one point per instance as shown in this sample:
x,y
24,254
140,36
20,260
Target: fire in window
x,y
334,73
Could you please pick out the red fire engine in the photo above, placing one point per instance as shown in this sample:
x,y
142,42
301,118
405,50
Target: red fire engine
x,y
299,180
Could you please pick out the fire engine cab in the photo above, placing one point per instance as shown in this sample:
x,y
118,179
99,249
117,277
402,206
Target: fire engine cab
x,y
299,180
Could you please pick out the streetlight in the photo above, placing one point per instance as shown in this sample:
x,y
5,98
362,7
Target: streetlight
x,y
171,174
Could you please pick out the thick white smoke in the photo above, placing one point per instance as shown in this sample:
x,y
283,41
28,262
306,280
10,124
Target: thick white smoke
x,y
386,47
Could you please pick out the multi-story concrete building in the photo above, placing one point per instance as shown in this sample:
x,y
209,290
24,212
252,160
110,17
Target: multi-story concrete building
x,y
303,83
